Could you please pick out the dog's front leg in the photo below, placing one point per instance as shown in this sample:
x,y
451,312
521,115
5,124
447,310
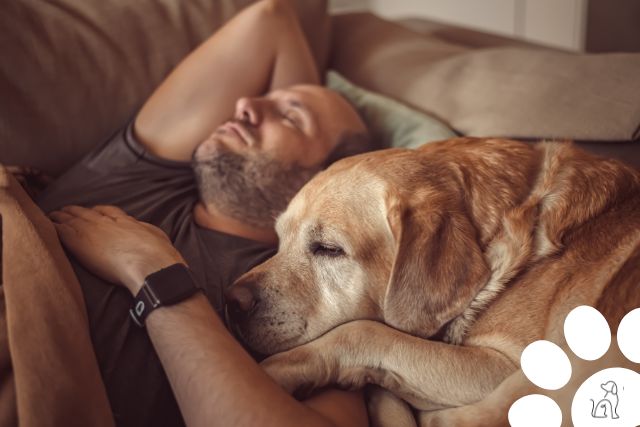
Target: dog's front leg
x,y
427,374
320,362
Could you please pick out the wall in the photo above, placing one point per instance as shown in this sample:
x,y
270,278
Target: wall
x,y
613,26
559,23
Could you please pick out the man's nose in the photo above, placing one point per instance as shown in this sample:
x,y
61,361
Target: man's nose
x,y
247,110
241,300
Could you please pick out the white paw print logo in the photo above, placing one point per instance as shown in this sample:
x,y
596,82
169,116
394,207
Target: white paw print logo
x,y
610,397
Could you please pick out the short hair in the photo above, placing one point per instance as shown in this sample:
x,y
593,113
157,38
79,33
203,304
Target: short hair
x,y
349,144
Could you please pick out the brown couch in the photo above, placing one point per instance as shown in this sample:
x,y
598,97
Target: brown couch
x,y
484,85
73,71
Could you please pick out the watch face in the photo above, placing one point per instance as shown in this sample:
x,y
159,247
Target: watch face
x,y
172,284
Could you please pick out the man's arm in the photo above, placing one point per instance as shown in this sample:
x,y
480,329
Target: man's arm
x,y
260,49
213,378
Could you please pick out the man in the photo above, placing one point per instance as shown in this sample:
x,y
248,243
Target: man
x,y
250,153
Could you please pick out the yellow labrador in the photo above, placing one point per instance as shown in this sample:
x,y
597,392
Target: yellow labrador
x,y
428,272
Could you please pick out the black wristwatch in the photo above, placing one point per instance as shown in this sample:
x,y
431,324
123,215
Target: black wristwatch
x,y
164,287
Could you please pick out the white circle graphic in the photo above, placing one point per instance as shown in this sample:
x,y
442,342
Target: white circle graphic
x,y
608,398
546,365
629,335
535,410
587,332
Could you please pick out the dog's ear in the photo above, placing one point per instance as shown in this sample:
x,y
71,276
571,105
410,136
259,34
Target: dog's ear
x,y
438,267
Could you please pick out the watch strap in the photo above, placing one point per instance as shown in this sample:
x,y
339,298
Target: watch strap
x,y
164,287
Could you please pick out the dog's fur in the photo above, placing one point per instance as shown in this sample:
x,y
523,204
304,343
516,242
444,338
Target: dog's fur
x,y
427,272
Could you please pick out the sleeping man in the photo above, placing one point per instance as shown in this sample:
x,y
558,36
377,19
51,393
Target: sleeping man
x,y
211,158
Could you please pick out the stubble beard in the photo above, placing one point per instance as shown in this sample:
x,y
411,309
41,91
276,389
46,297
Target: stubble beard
x,y
252,188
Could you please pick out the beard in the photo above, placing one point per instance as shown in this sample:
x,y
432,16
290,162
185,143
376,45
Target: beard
x,y
253,188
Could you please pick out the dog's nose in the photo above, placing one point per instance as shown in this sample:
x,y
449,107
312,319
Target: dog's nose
x,y
241,300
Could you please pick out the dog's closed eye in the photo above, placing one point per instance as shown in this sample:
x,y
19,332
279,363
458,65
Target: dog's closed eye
x,y
326,249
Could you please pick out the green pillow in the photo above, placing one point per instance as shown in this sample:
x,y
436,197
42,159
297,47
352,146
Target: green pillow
x,y
391,123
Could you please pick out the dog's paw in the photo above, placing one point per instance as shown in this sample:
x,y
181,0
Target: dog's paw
x,y
299,371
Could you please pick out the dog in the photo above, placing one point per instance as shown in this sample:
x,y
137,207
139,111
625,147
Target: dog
x,y
427,272
608,402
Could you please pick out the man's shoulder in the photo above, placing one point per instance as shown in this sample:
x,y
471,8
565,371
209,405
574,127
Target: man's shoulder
x,y
120,172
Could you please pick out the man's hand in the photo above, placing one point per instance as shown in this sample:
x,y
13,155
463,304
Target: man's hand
x,y
114,245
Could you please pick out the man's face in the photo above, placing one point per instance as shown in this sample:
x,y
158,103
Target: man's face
x,y
253,164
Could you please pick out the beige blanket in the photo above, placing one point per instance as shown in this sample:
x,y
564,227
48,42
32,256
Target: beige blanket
x,y
48,370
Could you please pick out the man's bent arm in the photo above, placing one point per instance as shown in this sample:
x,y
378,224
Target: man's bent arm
x,y
260,49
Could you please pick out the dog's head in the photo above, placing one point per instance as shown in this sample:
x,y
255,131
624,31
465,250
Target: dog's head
x,y
381,236
609,387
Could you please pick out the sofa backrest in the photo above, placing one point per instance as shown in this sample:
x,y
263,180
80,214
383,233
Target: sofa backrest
x,y
74,71
502,91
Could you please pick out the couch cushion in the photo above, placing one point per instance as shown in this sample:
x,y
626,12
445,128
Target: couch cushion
x,y
73,71
509,92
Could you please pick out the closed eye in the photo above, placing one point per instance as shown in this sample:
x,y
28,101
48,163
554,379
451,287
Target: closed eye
x,y
327,250
291,117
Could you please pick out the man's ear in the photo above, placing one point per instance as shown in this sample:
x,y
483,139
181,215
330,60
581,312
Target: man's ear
x,y
438,267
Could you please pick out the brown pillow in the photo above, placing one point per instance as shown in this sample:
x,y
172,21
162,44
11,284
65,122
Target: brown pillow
x,y
74,71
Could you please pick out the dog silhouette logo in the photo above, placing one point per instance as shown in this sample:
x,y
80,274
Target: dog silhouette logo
x,y
607,407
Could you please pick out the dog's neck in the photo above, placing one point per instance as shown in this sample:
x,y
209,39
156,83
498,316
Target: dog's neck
x,y
531,222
